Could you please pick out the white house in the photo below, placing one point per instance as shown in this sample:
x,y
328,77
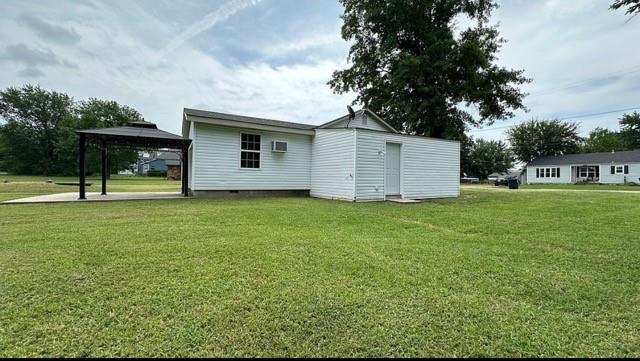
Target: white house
x,y
609,167
357,159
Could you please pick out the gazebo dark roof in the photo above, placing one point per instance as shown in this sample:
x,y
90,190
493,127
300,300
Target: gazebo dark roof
x,y
141,134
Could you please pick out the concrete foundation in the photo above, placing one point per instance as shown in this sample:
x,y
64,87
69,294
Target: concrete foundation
x,y
255,193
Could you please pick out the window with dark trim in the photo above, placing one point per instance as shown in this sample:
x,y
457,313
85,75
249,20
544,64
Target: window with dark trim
x,y
588,172
547,172
249,150
620,169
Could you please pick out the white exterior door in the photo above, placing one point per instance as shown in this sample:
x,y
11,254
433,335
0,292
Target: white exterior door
x,y
392,169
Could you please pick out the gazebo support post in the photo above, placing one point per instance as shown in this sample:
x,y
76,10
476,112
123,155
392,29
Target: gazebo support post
x,y
81,171
185,171
103,151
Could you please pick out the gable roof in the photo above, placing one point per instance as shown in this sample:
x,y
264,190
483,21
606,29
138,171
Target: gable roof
x,y
359,113
630,156
216,117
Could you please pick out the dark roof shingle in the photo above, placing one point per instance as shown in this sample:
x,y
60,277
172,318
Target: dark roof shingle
x,y
245,119
630,156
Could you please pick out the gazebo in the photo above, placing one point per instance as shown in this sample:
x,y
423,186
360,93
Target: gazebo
x,y
140,134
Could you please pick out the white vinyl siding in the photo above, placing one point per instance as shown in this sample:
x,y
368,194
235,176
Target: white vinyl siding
x,y
332,172
429,168
607,177
565,174
342,163
217,161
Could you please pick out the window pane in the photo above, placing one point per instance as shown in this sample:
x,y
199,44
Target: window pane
x,y
249,160
548,172
250,142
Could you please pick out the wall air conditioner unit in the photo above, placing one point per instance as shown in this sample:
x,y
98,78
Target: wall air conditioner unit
x,y
279,146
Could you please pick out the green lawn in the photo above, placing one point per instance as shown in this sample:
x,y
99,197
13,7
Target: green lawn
x,y
600,187
20,186
511,273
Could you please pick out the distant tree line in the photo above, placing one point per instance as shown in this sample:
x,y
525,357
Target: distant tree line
x,y
37,131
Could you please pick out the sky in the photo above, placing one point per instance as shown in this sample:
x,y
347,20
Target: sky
x,y
273,58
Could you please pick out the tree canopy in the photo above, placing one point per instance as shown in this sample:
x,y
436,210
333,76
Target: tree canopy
x,y
38,132
603,140
630,130
410,65
34,119
489,156
538,138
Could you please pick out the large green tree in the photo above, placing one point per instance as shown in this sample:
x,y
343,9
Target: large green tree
x,y
602,140
37,135
466,145
33,121
538,138
96,113
630,130
489,156
410,65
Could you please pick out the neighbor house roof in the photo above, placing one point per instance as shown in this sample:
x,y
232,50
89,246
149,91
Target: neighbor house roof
x,y
630,156
170,158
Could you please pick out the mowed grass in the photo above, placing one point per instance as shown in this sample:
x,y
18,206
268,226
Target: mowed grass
x,y
510,273
21,186
586,186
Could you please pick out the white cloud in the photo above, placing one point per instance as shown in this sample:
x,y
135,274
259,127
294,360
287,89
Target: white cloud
x,y
116,63
299,45
116,54
561,43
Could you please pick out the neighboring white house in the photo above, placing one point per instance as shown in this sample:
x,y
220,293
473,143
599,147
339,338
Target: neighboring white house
x,y
356,159
609,167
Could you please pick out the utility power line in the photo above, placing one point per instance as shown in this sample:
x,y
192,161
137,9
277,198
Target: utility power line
x,y
586,81
563,118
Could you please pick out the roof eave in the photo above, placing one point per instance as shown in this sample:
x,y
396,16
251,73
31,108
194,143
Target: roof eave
x,y
246,125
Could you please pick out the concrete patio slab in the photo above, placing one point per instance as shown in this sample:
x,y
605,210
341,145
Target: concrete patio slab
x,y
403,200
96,197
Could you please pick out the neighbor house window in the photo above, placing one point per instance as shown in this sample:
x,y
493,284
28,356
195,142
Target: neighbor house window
x,y
620,169
588,172
249,150
548,172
